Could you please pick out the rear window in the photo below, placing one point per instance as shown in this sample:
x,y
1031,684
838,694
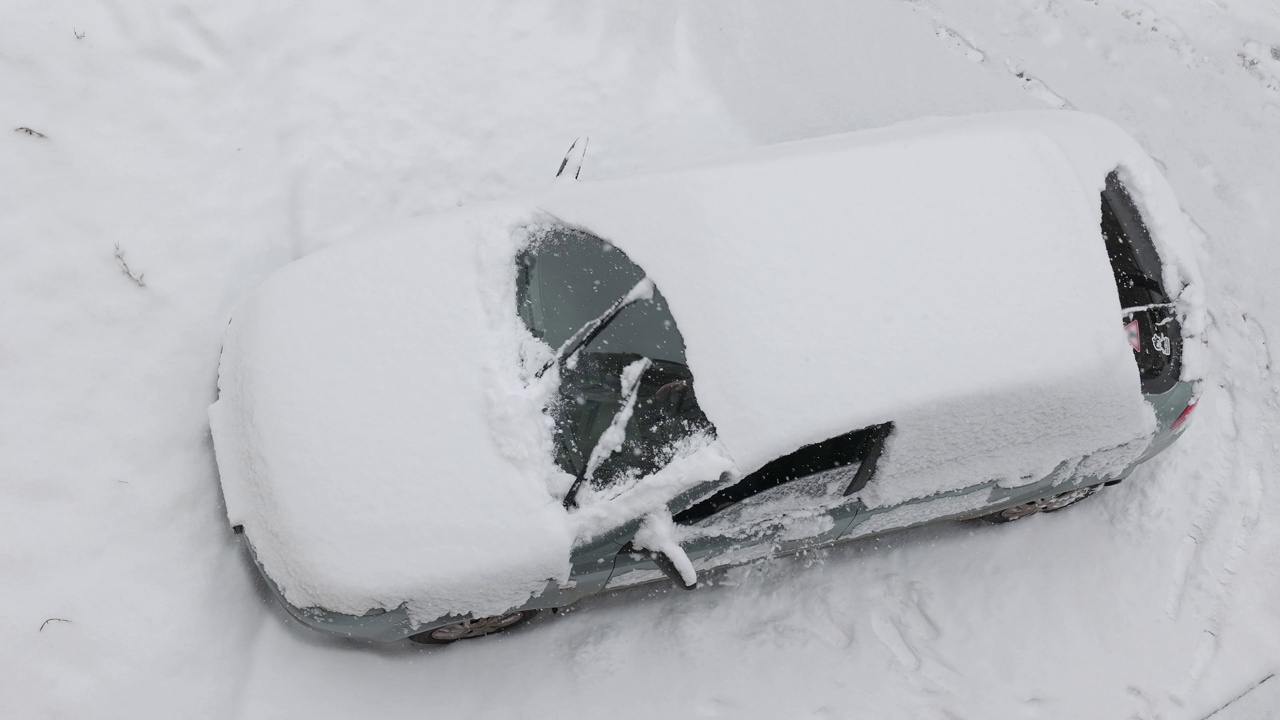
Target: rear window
x,y
1149,315
1134,260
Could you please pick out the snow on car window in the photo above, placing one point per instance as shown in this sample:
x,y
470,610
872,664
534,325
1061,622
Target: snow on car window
x,y
566,280
569,278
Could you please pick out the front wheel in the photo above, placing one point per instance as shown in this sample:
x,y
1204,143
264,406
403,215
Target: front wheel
x,y
468,629
1044,504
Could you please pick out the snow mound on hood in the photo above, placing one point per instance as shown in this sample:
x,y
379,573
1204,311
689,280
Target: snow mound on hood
x,y
360,389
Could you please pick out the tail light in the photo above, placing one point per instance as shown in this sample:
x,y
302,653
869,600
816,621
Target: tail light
x,y
1186,413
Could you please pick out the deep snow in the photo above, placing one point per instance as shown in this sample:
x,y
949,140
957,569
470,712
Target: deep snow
x,y
205,145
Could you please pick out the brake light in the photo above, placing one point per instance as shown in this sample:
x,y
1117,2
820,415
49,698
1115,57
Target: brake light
x,y
1186,413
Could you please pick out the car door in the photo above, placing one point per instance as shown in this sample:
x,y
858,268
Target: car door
x,y
803,499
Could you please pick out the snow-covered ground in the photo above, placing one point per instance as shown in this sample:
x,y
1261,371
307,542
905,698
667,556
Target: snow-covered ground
x,y
182,152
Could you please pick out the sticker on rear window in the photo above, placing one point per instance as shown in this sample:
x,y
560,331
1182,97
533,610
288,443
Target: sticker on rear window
x,y
1131,332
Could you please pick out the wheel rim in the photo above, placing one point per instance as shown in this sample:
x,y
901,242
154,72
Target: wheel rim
x,y
1061,500
477,627
1048,504
1017,512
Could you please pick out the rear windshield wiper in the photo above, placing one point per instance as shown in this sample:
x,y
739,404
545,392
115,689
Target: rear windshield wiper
x,y
643,290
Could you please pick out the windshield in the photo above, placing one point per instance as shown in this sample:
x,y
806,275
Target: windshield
x,y
626,397
568,278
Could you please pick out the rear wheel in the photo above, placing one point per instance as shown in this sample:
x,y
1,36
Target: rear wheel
x,y
1044,504
468,629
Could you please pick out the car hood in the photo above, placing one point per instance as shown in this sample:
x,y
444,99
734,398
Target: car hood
x,y
372,436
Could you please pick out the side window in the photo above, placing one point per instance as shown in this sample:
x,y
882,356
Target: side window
x,y
626,397
837,467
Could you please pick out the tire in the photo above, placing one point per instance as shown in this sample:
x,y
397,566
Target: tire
x,y
470,629
1051,503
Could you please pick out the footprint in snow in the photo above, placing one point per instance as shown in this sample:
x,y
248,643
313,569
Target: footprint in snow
x,y
958,42
1261,62
1039,90
891,636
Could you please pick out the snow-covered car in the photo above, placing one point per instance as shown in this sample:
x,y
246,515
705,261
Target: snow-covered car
x,y
438,432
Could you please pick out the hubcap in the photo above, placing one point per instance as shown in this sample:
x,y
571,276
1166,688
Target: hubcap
x,y
1048,504
477,627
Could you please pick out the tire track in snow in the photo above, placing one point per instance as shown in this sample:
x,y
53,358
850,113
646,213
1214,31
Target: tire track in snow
x,y
960,43
1241,543
1241,342
1215,491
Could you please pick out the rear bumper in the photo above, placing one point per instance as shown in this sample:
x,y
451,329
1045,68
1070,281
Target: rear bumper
x,y
1168,406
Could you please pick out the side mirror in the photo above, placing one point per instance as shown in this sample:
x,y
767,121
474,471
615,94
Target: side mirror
x,y
656,539
668,566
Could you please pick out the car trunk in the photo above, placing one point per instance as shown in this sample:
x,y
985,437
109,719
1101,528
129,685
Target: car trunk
x,y
1149,316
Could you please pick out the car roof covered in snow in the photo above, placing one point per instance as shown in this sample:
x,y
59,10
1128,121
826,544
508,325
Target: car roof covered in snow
x,y
949,270
377,443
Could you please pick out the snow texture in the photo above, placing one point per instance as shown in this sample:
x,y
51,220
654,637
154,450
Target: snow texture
x,y
658,533
217,142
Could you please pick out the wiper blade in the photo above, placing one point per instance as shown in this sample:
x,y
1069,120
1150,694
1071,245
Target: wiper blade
x,y
643,290
615,435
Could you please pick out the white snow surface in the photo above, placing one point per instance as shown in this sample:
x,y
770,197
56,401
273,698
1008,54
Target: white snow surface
x,y
209,144
947,275
353,433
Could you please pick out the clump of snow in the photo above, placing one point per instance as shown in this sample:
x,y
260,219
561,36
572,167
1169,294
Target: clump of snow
x,y
615,435
914,513
695,460
793,509
658,533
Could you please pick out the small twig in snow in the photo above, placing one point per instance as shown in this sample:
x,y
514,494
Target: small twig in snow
x,y
46,622
29,131
124,268
79,35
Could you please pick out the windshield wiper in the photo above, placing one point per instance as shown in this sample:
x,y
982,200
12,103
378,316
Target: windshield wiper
x,y
615,435
643,290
